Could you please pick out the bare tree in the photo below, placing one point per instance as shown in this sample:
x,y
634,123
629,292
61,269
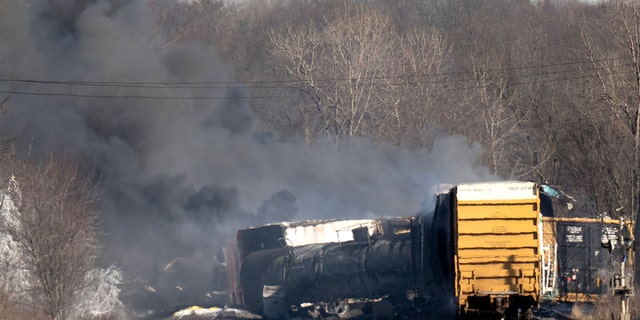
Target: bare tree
x,y
496,107
425,57
501,93
55,228
354,69
611,43
343,68
611,39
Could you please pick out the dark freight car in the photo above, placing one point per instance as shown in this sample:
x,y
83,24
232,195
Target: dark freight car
x,y
584,266
585,257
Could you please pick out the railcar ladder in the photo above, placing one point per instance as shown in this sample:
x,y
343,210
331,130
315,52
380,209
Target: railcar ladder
x,y
549,268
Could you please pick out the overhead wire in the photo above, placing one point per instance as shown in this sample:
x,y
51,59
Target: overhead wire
x,y
98,96
226,84
430,78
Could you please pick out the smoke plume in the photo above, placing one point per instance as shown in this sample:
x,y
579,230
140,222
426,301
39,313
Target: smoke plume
x,y
183,166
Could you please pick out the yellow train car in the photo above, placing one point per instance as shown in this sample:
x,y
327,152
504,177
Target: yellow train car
x,y
497,258
511,253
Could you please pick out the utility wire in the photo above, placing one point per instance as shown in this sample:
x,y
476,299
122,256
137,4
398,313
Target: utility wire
x,y
100,96
235,84
251,84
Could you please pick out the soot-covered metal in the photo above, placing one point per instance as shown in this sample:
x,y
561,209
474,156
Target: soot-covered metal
x,y
381,267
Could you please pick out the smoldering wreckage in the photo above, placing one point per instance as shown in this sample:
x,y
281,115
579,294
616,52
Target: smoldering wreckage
x,y
486,251
483,250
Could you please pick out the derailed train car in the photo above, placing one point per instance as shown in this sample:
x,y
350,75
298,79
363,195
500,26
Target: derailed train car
x,y
477,254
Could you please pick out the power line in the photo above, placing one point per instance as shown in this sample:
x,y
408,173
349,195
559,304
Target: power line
x,y
75,95
251,84
235,84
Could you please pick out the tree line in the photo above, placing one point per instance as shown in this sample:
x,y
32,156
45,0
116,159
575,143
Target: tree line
x,y
549,89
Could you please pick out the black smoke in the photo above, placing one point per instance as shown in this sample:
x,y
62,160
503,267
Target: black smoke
x,y
182,166
280,207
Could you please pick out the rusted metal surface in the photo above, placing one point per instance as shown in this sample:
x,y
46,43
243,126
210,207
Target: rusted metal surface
x,y
232,257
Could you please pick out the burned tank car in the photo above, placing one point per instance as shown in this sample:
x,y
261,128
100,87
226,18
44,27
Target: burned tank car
x,y
337,278
348,268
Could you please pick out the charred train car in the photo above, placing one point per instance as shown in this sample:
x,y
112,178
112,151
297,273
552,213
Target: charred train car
x,y
476,254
